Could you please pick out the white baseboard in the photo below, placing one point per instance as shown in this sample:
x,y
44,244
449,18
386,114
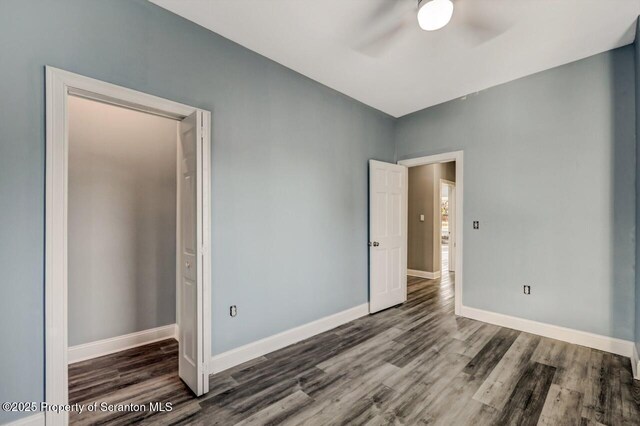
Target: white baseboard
x,y
635,363
583,338
264,346
33,420
423,274
116,344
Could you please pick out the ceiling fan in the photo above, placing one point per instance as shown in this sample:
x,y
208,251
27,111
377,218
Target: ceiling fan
x,y
389,19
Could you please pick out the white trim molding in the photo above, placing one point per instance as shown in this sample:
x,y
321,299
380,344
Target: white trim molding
x,y
569,335
269,344
33,420
120,343
458,157
423,274
635,362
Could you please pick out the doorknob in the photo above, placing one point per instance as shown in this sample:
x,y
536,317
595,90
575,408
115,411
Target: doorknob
x,y
376,244
187,264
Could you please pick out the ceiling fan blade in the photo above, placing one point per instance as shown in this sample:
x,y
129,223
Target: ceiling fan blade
x,y
384,26
376,44
383,9
479,26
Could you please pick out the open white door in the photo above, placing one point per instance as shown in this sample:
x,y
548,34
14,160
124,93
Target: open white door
x,y
191,363
388,192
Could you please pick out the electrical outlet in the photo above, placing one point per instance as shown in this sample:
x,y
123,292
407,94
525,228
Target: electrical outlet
x,y
527,289
233,310
476,224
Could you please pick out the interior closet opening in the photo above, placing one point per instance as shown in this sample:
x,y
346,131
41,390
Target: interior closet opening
x,y
186,315
122,212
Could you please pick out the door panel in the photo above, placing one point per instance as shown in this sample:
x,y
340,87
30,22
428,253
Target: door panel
x,y
395,269
379,279
388,193
191,360
396,210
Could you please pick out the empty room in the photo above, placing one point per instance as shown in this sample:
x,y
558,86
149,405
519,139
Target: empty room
x,y
319,212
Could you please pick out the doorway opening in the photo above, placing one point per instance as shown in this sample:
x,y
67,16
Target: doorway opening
x,y
428,218
405,237
435,208
127,264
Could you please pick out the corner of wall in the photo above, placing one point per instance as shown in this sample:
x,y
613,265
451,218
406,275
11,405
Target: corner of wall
x,y
394,139
635,362
637,195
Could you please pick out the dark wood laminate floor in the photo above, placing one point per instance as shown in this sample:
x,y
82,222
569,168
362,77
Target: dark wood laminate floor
x,y
413,364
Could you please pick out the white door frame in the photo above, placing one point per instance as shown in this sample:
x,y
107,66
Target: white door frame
x,y
456,156
59,85
449,183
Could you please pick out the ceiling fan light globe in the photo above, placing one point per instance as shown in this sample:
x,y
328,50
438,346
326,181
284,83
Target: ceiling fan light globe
x,y
434,14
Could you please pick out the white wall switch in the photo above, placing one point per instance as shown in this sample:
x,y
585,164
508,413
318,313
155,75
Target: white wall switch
x,y
421,218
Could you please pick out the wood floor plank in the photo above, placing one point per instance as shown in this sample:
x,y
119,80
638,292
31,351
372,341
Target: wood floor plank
x,y
419,382
366,408
571,362
454,404
433,368
602,399
279,411
488,357
550,352
497,388
219,383
573,370
529,396
334,405
181,413
561,408
381,346
629,392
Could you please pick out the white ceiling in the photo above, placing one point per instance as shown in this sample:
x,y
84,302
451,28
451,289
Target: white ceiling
x,y
325,40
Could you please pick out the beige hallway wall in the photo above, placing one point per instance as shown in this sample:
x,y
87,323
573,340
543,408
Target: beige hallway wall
x,y
423,242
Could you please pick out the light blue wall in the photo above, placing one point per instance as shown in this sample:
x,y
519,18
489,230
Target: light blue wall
x,y
289,169
549,171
